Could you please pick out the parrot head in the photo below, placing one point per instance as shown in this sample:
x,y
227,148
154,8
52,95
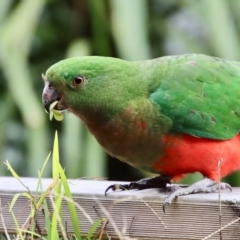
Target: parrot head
x,y
85,84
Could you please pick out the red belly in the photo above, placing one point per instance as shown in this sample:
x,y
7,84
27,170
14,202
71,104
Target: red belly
x,y
187,154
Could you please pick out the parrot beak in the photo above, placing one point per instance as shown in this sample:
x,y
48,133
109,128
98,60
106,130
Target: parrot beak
x,y
49,95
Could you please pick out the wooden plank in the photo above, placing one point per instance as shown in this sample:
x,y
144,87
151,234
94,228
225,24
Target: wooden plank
x,y
132,214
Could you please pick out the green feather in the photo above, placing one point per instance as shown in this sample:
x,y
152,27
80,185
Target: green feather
x,y
193,94
201,95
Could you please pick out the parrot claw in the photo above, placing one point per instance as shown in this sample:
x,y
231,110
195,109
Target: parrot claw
x,y
205,185
115,187
155,182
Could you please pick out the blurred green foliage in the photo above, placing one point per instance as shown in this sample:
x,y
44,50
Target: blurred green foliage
x,y
36,34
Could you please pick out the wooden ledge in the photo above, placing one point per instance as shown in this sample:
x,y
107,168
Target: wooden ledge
x,y
131,214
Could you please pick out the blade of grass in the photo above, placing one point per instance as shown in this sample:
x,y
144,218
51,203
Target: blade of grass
x,y
16,196
55,171
16,175
59,171
12,171
46,193
43,199
93,228
41,173
55,163
45,209
55,157
71,206
34,234
56,218
47,219
17,226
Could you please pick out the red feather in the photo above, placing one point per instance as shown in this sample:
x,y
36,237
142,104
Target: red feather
x,y
187,154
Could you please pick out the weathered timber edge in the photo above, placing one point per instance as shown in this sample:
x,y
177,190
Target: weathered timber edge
x,y
131,214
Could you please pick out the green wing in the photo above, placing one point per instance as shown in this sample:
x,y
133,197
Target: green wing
x,y
200,94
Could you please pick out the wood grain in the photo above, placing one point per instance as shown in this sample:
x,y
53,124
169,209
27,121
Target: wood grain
x,y
131,214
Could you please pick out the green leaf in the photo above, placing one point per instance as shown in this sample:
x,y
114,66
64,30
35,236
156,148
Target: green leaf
x,y
47,219
16,196
33,212
11,170
71,206
46,192
55,157
19,230
41,172
56,214
93,228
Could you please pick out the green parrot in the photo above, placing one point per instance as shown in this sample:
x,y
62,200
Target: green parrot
x,y
172,115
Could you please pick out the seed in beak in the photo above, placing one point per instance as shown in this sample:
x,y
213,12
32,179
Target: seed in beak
x,y
55,113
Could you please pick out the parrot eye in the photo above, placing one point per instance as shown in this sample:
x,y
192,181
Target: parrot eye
x,y
78,81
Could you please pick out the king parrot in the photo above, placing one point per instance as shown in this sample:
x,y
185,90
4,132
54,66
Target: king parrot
x,y
172,115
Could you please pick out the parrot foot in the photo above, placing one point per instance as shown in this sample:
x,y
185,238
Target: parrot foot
x,y
156,182
205,185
